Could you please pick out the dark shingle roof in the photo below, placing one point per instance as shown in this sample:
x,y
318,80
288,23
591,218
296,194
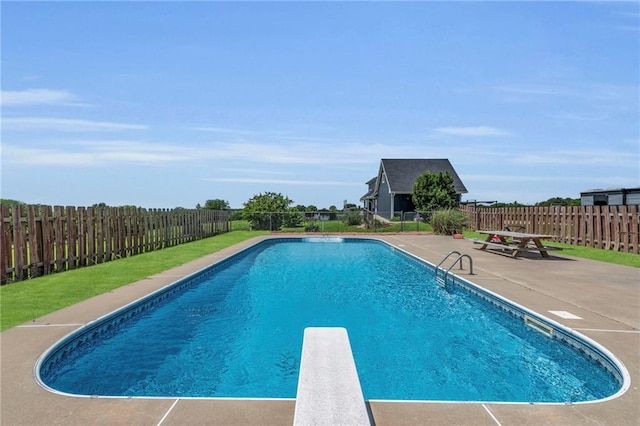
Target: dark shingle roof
x,y
372,192
403,172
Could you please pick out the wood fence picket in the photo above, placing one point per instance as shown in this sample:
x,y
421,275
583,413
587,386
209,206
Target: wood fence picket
x,y
38,240
606,227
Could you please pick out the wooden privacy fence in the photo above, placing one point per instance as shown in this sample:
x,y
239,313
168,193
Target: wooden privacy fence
x,y
37,240
606,227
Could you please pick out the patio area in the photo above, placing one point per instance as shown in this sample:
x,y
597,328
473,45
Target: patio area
x,y
606,297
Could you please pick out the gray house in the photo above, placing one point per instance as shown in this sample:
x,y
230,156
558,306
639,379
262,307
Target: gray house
x,y
390,191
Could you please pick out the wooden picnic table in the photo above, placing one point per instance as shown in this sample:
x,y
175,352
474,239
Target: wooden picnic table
x,y
516,242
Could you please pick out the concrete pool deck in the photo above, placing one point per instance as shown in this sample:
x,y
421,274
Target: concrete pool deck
x,y
605,296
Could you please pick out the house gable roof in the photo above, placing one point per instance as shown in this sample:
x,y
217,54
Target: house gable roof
x,y
402,173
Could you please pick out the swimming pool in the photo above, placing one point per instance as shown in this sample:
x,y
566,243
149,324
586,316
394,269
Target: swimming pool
x,y
235,330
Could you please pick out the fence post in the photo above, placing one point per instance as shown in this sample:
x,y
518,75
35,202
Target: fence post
x,y
32,240
19,244
71,238
82,236
6,258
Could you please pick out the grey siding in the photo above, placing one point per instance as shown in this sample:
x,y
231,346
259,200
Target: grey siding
x,y
633,198
586,200
384,200
616,199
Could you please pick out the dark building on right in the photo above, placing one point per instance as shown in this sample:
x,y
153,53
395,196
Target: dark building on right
x,y
611,197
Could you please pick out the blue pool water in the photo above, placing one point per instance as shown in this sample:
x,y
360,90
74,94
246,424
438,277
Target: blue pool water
x,y
236,329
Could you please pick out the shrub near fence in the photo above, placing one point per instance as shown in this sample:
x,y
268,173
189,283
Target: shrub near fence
x,y
607,227
37,240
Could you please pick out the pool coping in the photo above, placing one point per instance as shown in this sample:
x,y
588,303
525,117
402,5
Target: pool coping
x,y
609,312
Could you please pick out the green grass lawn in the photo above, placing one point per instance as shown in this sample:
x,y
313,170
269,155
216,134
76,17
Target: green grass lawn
x,y
340,226
24,301
609,256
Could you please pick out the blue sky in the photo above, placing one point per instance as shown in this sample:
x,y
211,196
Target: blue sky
x,y
168,104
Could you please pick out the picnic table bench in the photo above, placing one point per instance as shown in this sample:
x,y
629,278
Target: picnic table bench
x,y
515,242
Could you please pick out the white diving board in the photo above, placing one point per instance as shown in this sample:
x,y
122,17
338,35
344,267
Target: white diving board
x,y
329,391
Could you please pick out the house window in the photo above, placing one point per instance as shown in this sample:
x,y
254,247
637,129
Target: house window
x,y
600,200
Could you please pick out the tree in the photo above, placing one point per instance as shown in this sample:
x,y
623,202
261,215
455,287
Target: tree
x,y
293,218
500,205
9,202
266,211
558,201
434,191
216,204
350,206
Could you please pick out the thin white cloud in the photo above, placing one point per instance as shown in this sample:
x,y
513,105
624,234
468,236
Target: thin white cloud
x,y
629,19
269,160
45,157
138,152
535,187
596,92
472,131
533,89
280,136
577,157
633,28
580,117
521,178
94,154
30,78
253,171
284,181
66,125
255,158
38,97
242,157
303,153
90,152
225,131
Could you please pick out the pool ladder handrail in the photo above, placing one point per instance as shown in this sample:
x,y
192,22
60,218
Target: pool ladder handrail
x,y
443,280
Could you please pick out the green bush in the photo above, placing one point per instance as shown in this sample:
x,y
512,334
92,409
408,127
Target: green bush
x,y
236,215
292,218
266,211
312,227
353,219
376,224
449,221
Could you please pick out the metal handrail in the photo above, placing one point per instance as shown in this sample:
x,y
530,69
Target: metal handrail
x,y
458,259
447,256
